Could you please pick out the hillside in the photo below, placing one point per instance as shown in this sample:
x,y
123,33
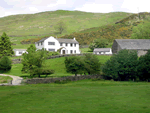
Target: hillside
x,y
121,29
31,26
43,23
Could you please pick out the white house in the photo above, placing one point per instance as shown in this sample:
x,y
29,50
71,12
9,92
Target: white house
x,y
66,46
107,51
19,52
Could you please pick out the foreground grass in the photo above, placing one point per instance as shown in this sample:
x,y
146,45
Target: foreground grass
x,y
5,79
56,64
84,96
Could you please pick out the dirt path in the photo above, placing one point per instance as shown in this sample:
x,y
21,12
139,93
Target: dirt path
x,y
16,80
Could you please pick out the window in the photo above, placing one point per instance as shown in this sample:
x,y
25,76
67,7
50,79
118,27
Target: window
x,y
66,44
71,51
51,43
41,43
51,49
74,51
38,44
71,44
20,52
61,44
74,45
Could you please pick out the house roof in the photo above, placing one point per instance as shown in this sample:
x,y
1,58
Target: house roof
x,y
42,40
66,40
61,40
102,49
19,49
143,44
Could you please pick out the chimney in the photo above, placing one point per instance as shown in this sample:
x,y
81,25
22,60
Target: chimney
x,y
74,38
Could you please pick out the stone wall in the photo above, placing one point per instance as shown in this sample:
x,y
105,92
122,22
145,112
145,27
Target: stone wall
x,y
60,79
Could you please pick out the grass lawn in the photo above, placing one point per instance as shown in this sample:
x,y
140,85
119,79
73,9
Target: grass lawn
x,y
84,96
5,79
56,64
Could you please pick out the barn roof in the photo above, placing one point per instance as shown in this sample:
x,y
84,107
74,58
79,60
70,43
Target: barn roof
x,y
137,44
102,49
61,40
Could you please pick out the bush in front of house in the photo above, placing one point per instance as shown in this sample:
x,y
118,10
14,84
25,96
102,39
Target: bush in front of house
x,y
5,64
121,66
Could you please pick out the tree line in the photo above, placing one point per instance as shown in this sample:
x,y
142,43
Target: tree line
x,y
123,66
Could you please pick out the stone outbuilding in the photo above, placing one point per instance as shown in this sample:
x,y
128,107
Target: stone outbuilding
x,y
141,45
106,51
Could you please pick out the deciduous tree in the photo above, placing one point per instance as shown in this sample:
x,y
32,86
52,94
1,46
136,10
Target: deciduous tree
x,y
61,27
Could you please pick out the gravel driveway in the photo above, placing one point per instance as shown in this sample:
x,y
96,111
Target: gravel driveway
x,y
16,80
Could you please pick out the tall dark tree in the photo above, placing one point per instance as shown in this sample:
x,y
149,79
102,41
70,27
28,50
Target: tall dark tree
x,y
5,46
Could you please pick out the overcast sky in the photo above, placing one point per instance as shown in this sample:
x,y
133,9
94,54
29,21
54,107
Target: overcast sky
x,y
11,7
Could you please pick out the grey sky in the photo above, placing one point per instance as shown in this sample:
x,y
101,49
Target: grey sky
x,y
11,7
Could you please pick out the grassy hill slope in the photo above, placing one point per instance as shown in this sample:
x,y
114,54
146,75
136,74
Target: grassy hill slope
x,y
43,23
121,29
36,26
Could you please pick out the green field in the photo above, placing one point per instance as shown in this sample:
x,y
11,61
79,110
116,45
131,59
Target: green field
x,y
56,64
85,96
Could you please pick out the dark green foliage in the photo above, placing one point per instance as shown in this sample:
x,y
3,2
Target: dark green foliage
x,y
99,43
121,66
41,71
144,67
92,64
86,64
75,65
5,64
5,46
33,62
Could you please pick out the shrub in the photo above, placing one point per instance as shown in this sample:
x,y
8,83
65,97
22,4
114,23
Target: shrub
x,y
121,66
144,67
5,64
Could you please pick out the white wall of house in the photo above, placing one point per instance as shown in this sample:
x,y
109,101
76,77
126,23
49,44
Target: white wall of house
x,y
19,52
51,47
52,44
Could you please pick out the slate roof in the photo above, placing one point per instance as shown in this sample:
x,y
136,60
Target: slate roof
x,y
61,40
137,44
102,49
66,40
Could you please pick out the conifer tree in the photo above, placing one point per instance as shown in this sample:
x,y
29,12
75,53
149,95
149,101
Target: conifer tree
x,y
5,46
